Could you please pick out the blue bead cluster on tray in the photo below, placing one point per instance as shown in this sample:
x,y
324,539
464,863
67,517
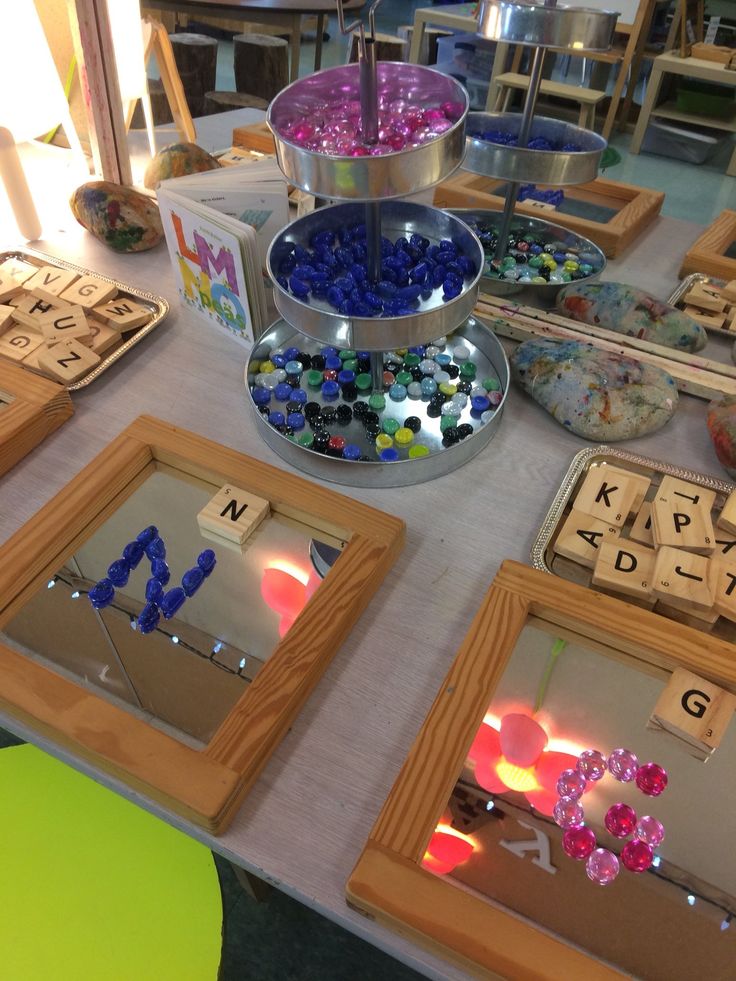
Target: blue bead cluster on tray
x,y
334,269
536,143
159,601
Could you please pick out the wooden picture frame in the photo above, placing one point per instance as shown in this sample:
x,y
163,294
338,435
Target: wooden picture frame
x,y
636,207
203,786
31,407
707,253
389,883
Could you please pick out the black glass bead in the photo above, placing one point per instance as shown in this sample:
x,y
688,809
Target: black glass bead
x,y
433,411
311,409
465,430
370,419
438,399
265,410
349,392
293,407
318,362
452,370
344,413
373,431
364,367
285,430
365,459
304,359
451,436
329,413
321,441
360,409
416,373
465,387
413,423
316,423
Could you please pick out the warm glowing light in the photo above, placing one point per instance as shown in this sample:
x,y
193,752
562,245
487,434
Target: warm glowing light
x,y
447,849
577,44
283,592
291,569
522,739
515,777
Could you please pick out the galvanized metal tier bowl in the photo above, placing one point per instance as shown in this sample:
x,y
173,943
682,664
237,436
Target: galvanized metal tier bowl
x,y
432,318
548,26
538,295
368,178
531,166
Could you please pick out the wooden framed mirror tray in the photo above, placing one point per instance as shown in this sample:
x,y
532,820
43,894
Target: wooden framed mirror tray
x,y
714,252
181,691
560,689
31,407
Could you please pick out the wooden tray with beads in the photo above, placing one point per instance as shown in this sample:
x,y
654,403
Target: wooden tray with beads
x,y
710,301
574,553
34,286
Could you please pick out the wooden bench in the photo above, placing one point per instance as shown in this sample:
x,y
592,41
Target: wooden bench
x,y
587,99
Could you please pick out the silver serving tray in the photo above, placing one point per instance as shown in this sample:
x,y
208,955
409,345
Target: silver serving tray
x,y
678,296
158,306
542,555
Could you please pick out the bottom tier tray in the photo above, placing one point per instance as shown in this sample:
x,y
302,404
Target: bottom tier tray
x,y
423,456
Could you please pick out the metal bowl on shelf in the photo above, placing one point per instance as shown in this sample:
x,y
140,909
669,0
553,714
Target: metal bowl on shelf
x,y
541,295
526,165
549,26
484,349
432,318
368,178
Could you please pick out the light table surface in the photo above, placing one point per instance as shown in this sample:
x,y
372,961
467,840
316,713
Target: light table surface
x,y
310,813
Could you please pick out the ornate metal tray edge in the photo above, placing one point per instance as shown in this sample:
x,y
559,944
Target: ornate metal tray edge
x,y
686,285
581,462
159,304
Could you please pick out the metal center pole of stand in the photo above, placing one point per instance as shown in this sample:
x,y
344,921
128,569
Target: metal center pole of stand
x,y
535,80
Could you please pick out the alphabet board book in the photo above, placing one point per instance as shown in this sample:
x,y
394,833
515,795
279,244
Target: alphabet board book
x,y
219,225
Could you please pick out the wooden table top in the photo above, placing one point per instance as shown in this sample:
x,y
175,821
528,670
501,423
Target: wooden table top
x,y
275,6
306,821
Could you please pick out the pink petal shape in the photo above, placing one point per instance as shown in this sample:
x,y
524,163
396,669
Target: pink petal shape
x,y
487,778
486,744
522,739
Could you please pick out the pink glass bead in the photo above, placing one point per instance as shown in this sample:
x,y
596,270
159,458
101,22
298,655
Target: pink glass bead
x,y
620,820
302,132
601,866
578,843
650,831
380,150
430,114
591,764
396,141
651,779
453,110
439,126
568,813
636,856
623,764
359,151
571,784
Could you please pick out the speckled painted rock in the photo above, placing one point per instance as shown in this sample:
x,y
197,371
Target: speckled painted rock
x,y
722,429
596,395
176,161
633,312
122,218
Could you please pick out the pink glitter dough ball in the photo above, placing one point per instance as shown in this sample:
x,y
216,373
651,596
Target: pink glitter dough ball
x,y
620,820
636,856
623,764
571,784
578,843
568,813
651,779
601,866
650,831
591,764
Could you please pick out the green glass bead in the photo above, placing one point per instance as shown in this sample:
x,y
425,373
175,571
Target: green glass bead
x,y
306,439
567,278
468,370
404,378
347,355
377,401
350,365
491,384
391,426
446,422
363,382
412,360
536,262
314,378
586,268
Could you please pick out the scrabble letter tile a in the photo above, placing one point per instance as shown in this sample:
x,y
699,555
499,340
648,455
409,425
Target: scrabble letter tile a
x,y
581,536
233,514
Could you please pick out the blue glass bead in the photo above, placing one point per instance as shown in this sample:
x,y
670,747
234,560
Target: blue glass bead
x,y
296,420
419,349
363,310
467,265
283,282
429,387
333,363
346,308
276,418
278,360
102,594
147,535
160,571
148,618
409,293
118,572
299,395
293,368
133,553
261,396
192,580
389,455
330,391
438,276
301,254
345,377
351,452
298,287
156,549
358,272
559,256
388,275
419,273
479,403
206,561
443,359
154,590
344,257
373,300
397,393
291,353
335,296
535,249
426,292
172,602
282,392
450,290
323,239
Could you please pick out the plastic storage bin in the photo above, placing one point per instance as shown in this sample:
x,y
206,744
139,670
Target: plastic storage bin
x,y
705,99
692,145
472,55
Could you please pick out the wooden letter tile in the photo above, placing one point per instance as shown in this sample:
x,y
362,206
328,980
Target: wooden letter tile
x,y
123,314
694,710
6,316
18,342
49,282
9,286
641,530
64,324
581,536
30,311
17,269
233,514
682,579
609,494
705,319
723,583
89,292
681,516
706,298
101,337
724,546
729,290
625,567
727,518
67,361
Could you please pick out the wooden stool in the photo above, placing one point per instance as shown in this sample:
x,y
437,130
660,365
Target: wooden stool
x,y
196,59
261,64
587,99
224,101
389,47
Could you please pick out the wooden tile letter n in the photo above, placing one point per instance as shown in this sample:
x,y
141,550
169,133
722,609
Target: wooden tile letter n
x,y
233,514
